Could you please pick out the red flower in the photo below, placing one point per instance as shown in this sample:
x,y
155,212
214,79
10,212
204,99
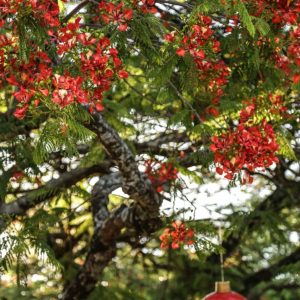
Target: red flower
x,y
116,14
212,111
147,6
180,52
67,90
160,173
296,78
17,176
23,95
177,235
199,43
247,146
20,112
170,37
123,74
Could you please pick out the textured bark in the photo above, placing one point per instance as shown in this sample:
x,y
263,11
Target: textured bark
x,y
134,184
142,216
66,180
103,246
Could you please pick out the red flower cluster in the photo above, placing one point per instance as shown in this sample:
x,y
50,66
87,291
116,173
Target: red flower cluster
x,y
28,79
115,14
277,106
290,63
200,43
45,11
294,48
177,235
147,6
68,37
279,11
160,173
247,146
284,12
67,89
100,67
40,78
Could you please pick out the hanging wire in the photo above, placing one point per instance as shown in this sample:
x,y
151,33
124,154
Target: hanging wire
x,y
221,254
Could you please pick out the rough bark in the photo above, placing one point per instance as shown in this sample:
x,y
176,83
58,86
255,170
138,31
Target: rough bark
x,y
103,246
134,184
143,215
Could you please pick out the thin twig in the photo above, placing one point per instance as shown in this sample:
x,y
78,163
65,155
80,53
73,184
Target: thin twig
x,y
185,5
185,101
75,11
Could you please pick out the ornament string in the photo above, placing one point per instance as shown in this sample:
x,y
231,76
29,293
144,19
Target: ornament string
x,y
221,255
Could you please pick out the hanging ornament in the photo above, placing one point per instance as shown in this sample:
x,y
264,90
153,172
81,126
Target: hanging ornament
x,y
223,292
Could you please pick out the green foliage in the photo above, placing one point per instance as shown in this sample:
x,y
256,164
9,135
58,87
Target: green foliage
x,y
245,17
262,26
62,134
163,92
18,244
285,148
30,31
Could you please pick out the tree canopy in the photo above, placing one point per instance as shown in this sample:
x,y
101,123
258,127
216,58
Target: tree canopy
x,y
112,112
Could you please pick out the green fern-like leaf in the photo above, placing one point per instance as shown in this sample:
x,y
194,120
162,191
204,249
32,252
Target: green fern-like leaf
x,y
245,17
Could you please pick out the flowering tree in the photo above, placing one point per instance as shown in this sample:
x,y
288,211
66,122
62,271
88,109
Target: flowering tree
x,y
137,94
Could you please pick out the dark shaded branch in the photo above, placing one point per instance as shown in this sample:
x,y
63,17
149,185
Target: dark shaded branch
x,y
268,273
142,216
103,246
49,190
75,10
154,146
108,227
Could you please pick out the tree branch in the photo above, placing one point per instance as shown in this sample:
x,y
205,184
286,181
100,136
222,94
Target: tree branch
x,y
103,246
268,273
134,184
107,229
49,190
75,10
142,216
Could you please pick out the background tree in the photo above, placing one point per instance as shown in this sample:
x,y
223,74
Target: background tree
x,y
151,97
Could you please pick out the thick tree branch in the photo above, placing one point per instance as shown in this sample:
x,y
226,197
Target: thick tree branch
x,y
103,247
107,228
134,184
142,216
154,146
